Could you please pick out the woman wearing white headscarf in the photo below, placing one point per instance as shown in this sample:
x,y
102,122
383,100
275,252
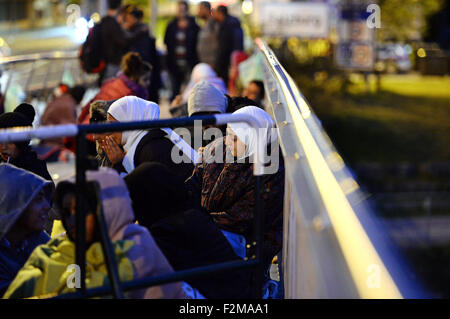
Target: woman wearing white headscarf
x,y
126,150
203,72
227,191
247,138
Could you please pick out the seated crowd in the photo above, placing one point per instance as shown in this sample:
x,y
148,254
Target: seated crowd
x,y
161,215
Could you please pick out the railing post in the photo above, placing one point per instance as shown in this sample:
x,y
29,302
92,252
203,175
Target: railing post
x,y
80,222
108,250
258,241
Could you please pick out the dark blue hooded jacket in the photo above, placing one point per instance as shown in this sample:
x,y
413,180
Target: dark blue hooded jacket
x,y
17,190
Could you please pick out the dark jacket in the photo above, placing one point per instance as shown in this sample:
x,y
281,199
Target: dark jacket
x,y
17,189
145,45
29,161
238,34
187,236
114,41
155,146
2,104
191,44
192,239
226,42
227,192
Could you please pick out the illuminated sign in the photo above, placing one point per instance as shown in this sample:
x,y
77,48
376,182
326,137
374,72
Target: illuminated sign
x,y
304,20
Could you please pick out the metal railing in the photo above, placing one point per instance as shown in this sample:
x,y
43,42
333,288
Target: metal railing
x,y
38,74
82,164
333,246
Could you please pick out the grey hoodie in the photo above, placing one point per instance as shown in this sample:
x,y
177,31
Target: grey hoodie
x,y
205,97
145,255
17,189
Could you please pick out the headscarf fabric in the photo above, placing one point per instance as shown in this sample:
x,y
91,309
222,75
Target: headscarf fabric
x,y
249,135
131,109
203,72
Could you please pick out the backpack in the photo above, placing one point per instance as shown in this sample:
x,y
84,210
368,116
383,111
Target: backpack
x,y
91,53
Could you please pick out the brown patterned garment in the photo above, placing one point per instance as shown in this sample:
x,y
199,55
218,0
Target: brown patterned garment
x,y
227,192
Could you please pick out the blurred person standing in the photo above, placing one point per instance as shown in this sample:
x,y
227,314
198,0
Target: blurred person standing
x,y
207,38
145,45
113,40
230,38
2,99
238,33
234,85
181,42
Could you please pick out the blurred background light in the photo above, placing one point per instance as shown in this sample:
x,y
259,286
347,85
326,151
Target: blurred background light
x,y
421,53
81,29
96,17
247,7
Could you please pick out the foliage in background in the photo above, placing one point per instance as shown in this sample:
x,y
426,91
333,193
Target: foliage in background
x,y
403,20
407,120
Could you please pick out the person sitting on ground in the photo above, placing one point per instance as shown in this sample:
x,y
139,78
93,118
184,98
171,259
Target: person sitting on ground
x,y
201,72
98,114
134,79
187,235
62,110
127,150
238,102
137,254
205,99
255,91
234,85
24,206
20,154
226,189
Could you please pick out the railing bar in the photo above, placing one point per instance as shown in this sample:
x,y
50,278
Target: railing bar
x,y
164,279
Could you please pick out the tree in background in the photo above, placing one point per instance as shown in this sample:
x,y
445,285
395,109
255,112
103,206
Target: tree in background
x,y
403,20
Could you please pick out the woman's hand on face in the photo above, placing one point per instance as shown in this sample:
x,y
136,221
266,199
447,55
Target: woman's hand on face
x,y
176,101
113,151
